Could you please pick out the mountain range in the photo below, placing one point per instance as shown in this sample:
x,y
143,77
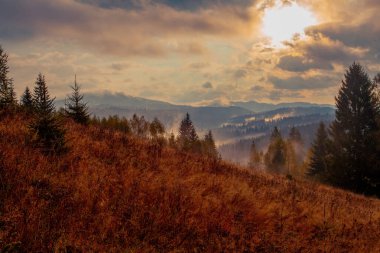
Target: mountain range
x,y
204,117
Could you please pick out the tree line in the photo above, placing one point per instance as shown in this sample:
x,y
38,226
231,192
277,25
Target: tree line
x,y
283,156
47,128
346,153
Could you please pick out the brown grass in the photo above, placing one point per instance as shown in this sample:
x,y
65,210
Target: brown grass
x,y
117,193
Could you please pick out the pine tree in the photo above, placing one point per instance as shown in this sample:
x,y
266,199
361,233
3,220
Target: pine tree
x,y
139,126
171,140
296,151
156,128
76,108
275,158
27,100
209,147
254,157
376,81
47,132
275,134
318,162
188,139
292,164
295,135
355,160
7,94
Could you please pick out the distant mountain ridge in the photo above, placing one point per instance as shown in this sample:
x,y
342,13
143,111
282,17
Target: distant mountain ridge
x,y
263,107
204,117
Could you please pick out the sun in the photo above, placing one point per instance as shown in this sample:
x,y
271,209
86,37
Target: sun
x,y
281,23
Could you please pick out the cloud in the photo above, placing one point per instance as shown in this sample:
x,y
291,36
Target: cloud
x,y
155,30
123,43
187,5
280,95
199,65
301,64
257,88
119,66
207,85
200,96
353,35
240,73
302,83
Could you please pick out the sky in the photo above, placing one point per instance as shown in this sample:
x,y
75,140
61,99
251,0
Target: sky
x,y
196,52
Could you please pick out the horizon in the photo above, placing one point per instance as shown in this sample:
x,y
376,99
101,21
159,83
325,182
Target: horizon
x,y
231,103
185,53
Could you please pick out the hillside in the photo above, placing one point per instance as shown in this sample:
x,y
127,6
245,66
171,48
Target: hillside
x,y
115,193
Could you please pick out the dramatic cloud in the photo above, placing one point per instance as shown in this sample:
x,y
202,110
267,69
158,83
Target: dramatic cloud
x,y
207,85
154,31
301,83
189,5
301,64
167,49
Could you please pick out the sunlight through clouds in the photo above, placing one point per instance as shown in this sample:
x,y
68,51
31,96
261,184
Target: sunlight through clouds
x,y
282,22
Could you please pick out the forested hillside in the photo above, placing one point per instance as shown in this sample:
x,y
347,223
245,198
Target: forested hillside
x,y
112,191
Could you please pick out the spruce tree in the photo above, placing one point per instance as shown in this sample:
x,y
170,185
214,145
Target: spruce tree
x,y
75,107
27,99
292,164
156,128
209,147
7,94
188,139
318,162
376,81
276,134
296,150
295,135
254,157
171,140
275,158
355,160
46,128
139,126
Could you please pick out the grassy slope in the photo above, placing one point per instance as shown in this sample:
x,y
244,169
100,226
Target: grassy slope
x,y
115,193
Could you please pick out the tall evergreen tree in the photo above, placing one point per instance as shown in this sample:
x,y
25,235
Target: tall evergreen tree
x,y
318,163
171,140
27,99
254,157
275,158
292,163
376,79
47,131
188,138
295,135
75,107
296,150
156,128
209,147
355,160
139,126
7,94
276,134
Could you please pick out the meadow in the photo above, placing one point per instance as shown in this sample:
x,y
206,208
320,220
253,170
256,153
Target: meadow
x,y
114,192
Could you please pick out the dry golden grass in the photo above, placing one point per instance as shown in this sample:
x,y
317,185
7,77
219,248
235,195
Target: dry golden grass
x,y
116,193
